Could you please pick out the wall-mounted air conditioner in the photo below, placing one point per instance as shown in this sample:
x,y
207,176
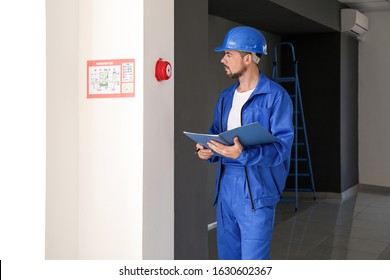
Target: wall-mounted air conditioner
x,y
354,23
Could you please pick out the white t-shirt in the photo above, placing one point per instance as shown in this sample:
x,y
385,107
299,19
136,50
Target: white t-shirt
x,y
239,100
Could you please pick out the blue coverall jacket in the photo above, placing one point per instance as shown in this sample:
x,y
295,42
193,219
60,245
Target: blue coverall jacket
x,y
266,166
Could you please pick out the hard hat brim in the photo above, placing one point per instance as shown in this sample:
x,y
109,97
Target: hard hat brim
x,y
220,49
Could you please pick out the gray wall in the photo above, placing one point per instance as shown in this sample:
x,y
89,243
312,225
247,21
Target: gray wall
x,y
192,113
374,100
337,165
348,112
328,77
325,12
281,16
318,58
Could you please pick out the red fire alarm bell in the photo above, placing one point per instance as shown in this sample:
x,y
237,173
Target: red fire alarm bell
x,y
163,70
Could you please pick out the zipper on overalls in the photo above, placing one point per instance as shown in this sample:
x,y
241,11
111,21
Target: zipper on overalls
x,y
246,173
220,126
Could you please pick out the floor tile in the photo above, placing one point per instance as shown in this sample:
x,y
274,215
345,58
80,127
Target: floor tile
x,y
385,255
357,228
363,233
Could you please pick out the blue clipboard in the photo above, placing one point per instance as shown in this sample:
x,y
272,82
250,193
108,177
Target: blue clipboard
x,y
249,135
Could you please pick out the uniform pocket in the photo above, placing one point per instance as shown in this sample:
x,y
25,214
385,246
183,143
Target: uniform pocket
x,y
259,223
220,222
258,114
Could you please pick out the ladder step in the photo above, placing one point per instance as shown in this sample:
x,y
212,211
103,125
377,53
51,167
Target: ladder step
x,y
299,159
299,190
299,144
285,80
299,174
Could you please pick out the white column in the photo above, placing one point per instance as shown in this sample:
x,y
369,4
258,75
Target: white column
x,y
62,129
158,197
110,160
111,135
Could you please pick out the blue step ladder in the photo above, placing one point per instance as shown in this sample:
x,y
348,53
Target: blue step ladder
x,y
299,154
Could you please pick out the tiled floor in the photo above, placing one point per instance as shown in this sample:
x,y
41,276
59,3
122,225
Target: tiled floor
x,y
332,229
357,228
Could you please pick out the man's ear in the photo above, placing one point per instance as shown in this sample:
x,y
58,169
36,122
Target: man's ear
x,y
248,58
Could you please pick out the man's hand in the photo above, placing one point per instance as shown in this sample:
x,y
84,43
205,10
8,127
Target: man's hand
x,y
227,151
203,153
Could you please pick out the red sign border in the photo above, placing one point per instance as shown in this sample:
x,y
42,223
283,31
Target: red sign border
x,y
112,62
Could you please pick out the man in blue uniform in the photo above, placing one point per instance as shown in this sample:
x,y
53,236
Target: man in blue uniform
x,y
249,180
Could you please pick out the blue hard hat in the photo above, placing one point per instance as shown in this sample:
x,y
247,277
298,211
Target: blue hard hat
x,y
244,38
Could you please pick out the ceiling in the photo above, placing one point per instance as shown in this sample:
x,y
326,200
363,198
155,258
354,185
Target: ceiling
x,y
271,17
366,6
265,15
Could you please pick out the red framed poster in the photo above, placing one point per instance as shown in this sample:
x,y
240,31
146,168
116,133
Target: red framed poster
x,y
110,78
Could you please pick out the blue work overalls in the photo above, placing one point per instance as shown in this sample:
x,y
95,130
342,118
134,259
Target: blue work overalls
x,y
248,188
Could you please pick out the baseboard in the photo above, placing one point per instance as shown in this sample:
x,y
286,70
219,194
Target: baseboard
x,y
308,195
211,226
350,192
343,196
376,187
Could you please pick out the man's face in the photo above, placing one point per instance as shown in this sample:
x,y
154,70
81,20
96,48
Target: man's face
x,y
233,63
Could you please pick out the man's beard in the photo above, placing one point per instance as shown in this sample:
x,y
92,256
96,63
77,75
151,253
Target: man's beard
x,y
237,74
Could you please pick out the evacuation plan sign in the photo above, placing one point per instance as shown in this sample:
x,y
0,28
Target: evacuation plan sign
x,y
110,78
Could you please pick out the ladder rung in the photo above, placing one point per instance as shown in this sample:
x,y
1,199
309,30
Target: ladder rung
x,y
299,190
299,159
299,174
305,189
285,80
289,190
299,144
292,95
